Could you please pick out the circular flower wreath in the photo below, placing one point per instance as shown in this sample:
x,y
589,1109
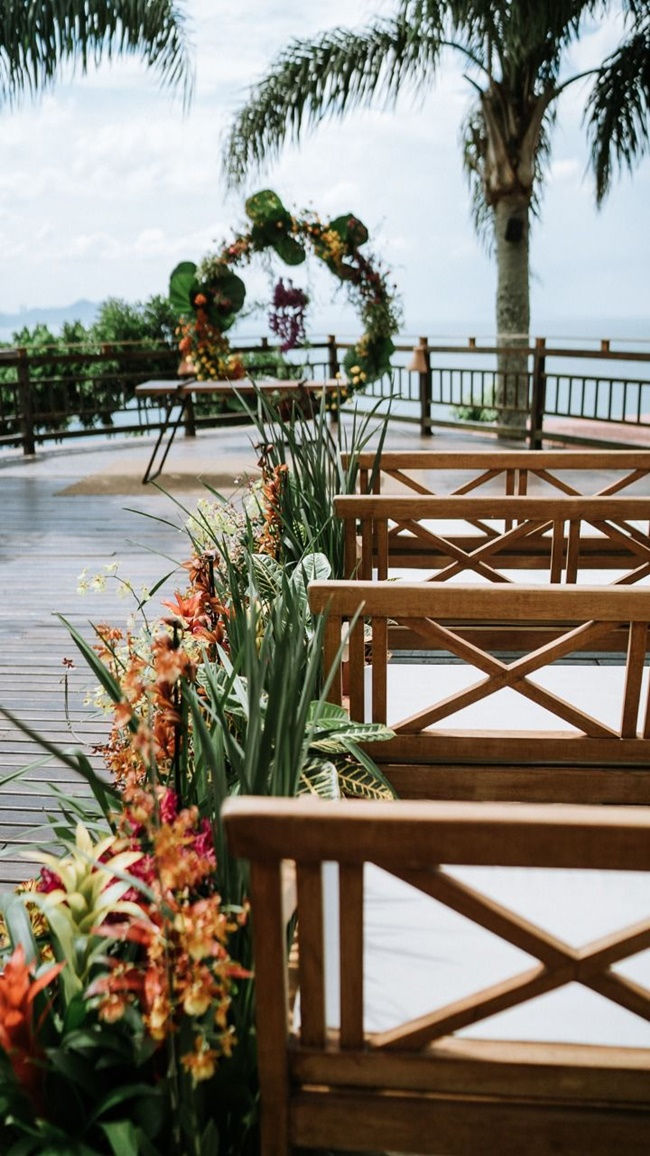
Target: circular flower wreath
x,y
209,296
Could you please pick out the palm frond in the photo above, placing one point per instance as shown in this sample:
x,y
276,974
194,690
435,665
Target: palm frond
x,y
37,38
618,109
473,139
327,77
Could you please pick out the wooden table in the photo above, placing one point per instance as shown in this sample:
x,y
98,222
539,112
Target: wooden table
x,y
178,394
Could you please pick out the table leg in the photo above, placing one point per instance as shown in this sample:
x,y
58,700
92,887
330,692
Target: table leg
x,y
166,428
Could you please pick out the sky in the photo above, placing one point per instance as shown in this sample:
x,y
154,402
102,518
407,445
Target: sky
x,y
105,184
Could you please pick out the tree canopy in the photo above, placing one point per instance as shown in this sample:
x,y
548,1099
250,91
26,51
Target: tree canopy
x,y
515,52
517,60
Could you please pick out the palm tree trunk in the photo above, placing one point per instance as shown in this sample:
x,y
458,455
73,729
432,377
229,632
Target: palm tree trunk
x,y
511,219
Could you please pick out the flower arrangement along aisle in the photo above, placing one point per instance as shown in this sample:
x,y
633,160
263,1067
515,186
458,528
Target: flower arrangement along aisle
x,y
126,976
209,296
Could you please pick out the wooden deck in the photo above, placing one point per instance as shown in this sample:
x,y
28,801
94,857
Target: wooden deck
x,y
53,524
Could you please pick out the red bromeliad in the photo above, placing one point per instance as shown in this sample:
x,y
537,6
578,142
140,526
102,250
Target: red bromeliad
x,y
18,1034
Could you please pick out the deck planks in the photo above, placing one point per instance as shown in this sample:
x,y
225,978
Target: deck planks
x,y
47,537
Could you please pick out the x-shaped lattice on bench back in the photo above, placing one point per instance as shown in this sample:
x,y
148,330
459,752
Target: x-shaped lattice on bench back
x,y
577,618
486,537
321,1086
559,963
501,471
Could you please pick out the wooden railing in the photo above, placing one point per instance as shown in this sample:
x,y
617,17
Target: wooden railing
x,y
457,383
56,395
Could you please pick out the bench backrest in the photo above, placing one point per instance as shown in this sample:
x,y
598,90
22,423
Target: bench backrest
x,y
484,536
435,754
503,471
418,1087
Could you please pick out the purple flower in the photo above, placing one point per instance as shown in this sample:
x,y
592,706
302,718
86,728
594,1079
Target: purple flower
x,y
287,314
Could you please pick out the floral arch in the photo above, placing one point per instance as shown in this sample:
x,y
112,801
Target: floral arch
x,y
209,296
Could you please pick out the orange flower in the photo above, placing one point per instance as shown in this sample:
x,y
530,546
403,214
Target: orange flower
x,y
123,713
18,990
197,991
159,1019
170,662
203,926
202,1062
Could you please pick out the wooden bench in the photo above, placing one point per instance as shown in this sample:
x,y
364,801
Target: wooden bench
x,y
500,747
488,537
544,472
418,1086
177,395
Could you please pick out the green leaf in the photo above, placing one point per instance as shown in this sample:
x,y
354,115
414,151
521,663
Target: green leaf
x,y
288,249
334,733
210,1140
19,925
385,789
66,941
207,749
312,568
155,588
264,206
119,1095
74,1069
358,782
25,1147
146,1148
103,676
122,1137
267,573
229,293
181,284
321,779
350,229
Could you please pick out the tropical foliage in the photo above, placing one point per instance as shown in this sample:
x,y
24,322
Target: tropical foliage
x,y
516,56
65,385
209,297
126,341
127,993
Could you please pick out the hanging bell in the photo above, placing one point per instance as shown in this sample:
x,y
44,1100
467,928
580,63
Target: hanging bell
x,y
418,363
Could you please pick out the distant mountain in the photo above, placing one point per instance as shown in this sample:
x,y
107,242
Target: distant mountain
x,y
54,317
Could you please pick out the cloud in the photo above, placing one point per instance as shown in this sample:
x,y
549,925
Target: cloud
x,y
564,170
105,184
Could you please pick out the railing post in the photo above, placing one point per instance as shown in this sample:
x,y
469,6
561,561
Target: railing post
x,y
538,400
332,356
26,403
423,358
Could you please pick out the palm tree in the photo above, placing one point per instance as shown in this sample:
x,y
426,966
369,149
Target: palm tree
x,y
514,52
38,36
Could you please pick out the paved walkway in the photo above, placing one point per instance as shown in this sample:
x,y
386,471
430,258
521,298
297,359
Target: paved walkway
x,y
81,506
